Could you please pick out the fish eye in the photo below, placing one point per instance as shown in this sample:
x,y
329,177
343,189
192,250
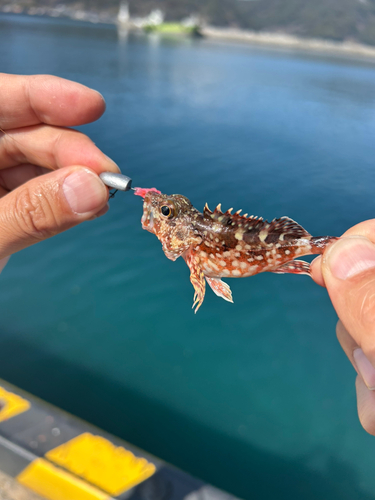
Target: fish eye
x,y
166,211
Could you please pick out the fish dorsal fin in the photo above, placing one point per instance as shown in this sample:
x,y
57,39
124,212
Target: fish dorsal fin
x,y
216,212
229,219
286,228
207,211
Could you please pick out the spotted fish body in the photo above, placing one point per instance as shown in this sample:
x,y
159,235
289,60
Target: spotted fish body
x,y
220,244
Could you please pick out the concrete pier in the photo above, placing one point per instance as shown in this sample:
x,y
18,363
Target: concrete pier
x,y
48,454
10,489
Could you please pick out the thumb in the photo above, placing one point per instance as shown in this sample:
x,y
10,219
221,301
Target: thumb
x,y
47,205
348,269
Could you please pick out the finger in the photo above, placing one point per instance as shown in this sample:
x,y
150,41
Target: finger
x,y
366,406
316,271
12,178
48,205
355,354
365,395
348,268
52,147
366,228
347,342
101,212
29,100
3,263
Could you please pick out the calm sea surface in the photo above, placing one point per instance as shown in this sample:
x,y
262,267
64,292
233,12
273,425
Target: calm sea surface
x,y
256,396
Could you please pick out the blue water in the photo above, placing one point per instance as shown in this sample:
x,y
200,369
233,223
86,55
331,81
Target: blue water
x,y
256,396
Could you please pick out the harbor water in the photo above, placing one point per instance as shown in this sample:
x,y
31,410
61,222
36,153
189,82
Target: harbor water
x,y
255,397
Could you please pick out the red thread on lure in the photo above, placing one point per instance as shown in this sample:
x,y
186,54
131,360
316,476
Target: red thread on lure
x,y
143,191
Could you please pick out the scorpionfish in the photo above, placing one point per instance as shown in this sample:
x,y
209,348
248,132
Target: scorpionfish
x,y
220,244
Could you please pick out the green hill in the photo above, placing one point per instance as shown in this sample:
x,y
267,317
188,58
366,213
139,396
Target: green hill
x,y
330,19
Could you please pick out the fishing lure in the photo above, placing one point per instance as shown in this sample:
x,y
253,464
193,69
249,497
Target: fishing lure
x,y
220,244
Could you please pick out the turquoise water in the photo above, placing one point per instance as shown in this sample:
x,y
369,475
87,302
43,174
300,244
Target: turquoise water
x,y
256,396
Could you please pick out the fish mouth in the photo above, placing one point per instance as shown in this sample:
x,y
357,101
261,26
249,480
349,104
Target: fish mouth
x,y
148,220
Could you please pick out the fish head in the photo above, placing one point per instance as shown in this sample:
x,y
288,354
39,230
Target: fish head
x,y
171,219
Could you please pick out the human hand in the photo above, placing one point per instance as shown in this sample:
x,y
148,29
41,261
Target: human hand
x,y
347,269
34,204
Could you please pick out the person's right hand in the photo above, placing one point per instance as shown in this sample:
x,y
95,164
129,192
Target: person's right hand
x,y
347,269
34,205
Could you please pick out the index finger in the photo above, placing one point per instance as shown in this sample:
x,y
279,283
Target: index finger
x,y
30,100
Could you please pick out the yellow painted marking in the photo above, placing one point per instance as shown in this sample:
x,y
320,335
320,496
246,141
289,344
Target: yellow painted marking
x,y
111,468
11,404
55,484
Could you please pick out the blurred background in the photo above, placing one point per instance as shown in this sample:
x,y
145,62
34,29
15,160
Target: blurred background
x,y
255,397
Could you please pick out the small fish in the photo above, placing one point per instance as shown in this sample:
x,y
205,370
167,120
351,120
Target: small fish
x,y
220,244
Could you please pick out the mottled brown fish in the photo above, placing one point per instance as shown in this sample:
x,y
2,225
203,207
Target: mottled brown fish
x,y
219,245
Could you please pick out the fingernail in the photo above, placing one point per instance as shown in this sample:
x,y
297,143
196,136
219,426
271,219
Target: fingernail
x,y
84,191
350,256
365,368
113,164
100,95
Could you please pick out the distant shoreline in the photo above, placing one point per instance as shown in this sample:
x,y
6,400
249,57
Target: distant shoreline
x,y
284,40
261,38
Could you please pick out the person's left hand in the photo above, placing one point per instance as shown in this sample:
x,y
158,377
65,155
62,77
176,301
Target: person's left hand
x,y
34,204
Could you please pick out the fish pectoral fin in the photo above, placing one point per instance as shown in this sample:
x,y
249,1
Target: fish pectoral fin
x,y
196,279
221,288
199,284
294,267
